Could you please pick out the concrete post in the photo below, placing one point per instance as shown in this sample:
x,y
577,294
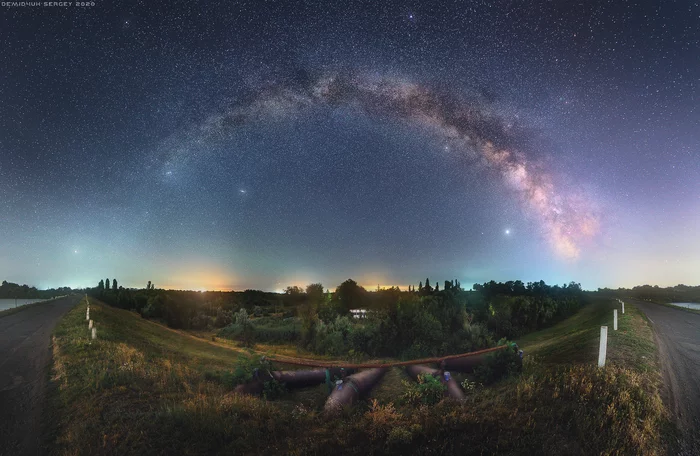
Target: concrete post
x,y
623,307
615,319
90,325
94,333
603,345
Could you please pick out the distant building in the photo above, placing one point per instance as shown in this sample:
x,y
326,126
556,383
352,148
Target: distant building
x,y
358,313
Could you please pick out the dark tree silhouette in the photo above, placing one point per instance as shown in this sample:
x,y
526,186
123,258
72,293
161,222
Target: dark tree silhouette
x,y
350,296
101,285
107,284
114,285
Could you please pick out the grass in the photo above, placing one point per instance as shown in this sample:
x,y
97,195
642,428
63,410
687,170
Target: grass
x,y
142,388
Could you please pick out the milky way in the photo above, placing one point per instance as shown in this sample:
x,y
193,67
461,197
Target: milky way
x,y
566,216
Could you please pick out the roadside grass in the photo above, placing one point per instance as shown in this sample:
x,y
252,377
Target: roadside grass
x,y
141,388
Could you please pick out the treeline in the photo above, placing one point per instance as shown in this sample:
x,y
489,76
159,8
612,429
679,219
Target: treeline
x,y
409,324
421,321
9,290
679,293
193,309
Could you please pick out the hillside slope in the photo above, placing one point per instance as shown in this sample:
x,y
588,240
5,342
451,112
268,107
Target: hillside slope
x,y
141,388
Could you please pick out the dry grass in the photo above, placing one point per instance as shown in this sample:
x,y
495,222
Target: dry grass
x,y
145,389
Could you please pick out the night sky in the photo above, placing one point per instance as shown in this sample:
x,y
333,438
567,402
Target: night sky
x,y
262,144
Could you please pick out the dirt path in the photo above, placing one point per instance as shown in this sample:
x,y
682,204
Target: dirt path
x,y
25,356
678,338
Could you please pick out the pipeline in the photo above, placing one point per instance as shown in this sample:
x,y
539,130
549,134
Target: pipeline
x,y
376,365
453,389
349,391
467,364
304,378
293,379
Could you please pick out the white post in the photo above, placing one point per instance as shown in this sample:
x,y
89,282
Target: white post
x,y
615,319
603,345
90,325
94,333
623,307
87,315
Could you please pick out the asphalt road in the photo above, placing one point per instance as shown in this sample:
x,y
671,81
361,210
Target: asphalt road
x,y
678,338
25,357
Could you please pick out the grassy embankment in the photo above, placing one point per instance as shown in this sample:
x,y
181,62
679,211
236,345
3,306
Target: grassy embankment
x,y
144,389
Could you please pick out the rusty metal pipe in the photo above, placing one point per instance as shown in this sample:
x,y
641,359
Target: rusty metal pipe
x,y
313,377
352,389
453,389
464,364
292,379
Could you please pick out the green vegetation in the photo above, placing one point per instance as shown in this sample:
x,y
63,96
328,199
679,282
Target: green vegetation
x,y
412,324
679,293
142,388
9,290
427,390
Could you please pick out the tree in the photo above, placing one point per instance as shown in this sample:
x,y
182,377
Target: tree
x,y
101,285
420,287
148,285
293,291
427,288
114,285
107,284
350,295
315,295
437,286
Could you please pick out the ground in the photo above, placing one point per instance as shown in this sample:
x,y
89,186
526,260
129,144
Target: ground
x,y
25,357
677,334
144,389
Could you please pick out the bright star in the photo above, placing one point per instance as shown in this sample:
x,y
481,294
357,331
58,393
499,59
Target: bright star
x,y
507,231
241,190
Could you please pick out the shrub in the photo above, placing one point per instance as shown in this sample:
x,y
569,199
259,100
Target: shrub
x,y
427,390
499,364
223,318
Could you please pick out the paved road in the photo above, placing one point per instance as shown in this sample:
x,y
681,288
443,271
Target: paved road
x,y
25,356
678,338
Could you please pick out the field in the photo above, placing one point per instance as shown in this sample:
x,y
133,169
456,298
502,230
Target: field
x,y
142,388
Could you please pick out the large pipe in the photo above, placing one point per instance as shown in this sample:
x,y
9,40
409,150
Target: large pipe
x,y
350,390
292,379
469,362
453,389
304,378
464,364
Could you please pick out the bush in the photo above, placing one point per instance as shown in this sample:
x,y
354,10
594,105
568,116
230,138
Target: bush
x,y
264,329
223,318
201,321
427,390
498,365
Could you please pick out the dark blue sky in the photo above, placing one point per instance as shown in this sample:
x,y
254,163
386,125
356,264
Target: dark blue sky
x,y
265,144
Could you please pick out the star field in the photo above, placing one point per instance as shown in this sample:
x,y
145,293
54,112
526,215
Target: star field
x,y
261,144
